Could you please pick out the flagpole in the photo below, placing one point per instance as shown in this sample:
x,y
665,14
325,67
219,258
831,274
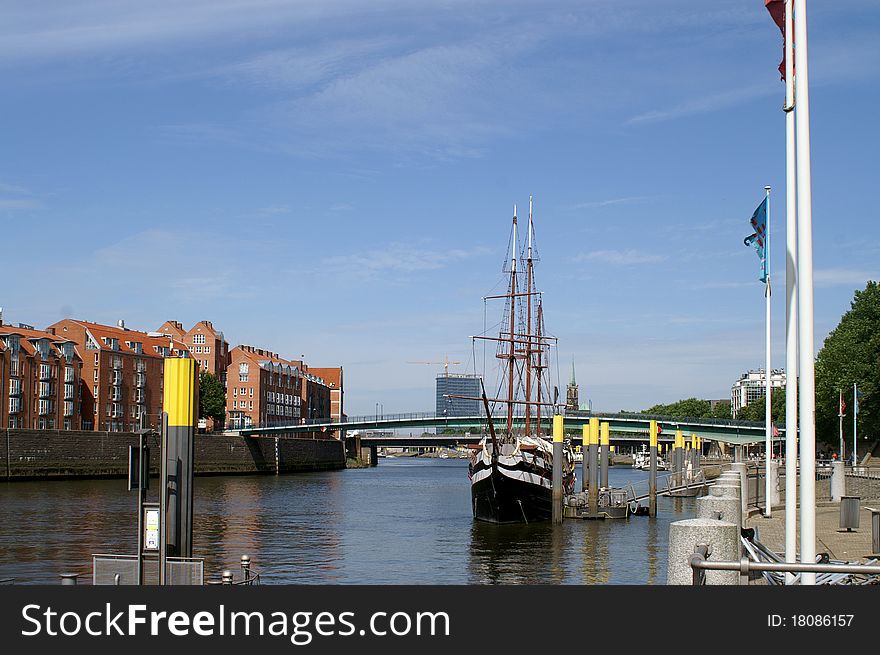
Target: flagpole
x,y
855,415
840,421
807,408
791,325
768,435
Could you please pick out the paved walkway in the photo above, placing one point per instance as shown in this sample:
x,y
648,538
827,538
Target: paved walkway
x,y
839,544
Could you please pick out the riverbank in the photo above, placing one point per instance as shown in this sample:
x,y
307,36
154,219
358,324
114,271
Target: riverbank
x,y
58,454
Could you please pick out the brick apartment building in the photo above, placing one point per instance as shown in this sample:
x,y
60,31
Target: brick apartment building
x,y
39,379
122,373
265,389
333,378
206,345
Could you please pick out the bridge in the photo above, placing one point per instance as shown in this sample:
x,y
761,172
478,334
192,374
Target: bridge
x,y
624,427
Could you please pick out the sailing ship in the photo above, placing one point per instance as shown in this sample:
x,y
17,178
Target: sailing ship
x,y
511,470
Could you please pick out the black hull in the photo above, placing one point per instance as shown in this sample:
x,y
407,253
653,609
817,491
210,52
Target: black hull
x,y
500,499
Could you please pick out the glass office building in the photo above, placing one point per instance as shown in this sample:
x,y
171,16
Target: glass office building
x,y
458,385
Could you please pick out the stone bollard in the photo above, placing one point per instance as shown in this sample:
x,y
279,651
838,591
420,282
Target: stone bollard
x,y
729,507
68,579
246,567
740,467
723,540
227,577
774,483
838,482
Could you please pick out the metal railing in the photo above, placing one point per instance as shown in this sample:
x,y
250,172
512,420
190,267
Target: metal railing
x,y
700,564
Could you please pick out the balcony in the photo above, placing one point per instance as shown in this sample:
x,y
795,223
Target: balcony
x,y
68,391
45,390
45,372
68,408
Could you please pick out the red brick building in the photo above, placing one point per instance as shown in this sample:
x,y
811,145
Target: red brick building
x,y
39,379
264,389
121,373
206,345
333,378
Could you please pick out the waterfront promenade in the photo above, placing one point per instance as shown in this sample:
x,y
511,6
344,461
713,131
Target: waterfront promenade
x,y
839,544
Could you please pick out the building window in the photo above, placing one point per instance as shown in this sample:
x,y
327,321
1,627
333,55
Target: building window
x,y
243,372
235,392
96,375
207,349
198,338
97,355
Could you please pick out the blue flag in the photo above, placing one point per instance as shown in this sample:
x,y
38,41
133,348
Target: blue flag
x,y
758,240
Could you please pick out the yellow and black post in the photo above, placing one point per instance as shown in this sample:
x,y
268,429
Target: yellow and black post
x,y
593,488
652,477
558,464
181,402
585,460
604,444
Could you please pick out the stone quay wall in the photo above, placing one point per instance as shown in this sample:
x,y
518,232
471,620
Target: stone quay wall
x,y
42,454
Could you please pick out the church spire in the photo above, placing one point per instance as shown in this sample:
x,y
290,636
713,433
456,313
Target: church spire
x,y
572,381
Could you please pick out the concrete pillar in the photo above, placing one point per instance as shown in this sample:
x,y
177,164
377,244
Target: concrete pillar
x,y
723,540
374,456
723,508
740,467
838,481
604,444
557,469
773,466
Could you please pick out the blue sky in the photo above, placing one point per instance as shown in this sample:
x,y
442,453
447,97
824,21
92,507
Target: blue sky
x,y
335,179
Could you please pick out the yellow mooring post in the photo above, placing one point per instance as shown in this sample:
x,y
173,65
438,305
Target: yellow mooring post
x,y
180,402
652,478
677,458
604,444
557,468
585,460
593,488
693,459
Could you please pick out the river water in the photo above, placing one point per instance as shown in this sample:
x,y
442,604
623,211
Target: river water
x,y
407,521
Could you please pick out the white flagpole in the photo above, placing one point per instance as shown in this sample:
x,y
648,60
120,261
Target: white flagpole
x,y
791,331
855,415
768,429
806,411
840,420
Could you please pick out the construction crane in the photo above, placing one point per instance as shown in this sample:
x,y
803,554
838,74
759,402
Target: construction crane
x,y
445,363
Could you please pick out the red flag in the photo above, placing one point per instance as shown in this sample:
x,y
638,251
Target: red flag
x,y
842,405
775,431
777,12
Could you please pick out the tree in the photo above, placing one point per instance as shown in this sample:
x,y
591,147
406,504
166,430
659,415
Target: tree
x,y
721,409
851,353
212,398
689,407
754,411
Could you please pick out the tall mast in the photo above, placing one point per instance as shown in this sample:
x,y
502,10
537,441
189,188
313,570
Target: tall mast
x,y
529,324
539,365
512,353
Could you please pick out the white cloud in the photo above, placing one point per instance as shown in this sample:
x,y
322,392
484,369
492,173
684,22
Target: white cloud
x,y
620,257
832,277
398,258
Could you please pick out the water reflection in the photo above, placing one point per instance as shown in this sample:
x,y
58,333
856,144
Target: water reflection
x,y
406,522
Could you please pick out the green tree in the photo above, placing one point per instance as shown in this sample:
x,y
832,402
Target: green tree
x,y
212,398
689,407
851,353
721,410
754,411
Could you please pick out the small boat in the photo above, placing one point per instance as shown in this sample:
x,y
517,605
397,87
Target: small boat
x,y
642,460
